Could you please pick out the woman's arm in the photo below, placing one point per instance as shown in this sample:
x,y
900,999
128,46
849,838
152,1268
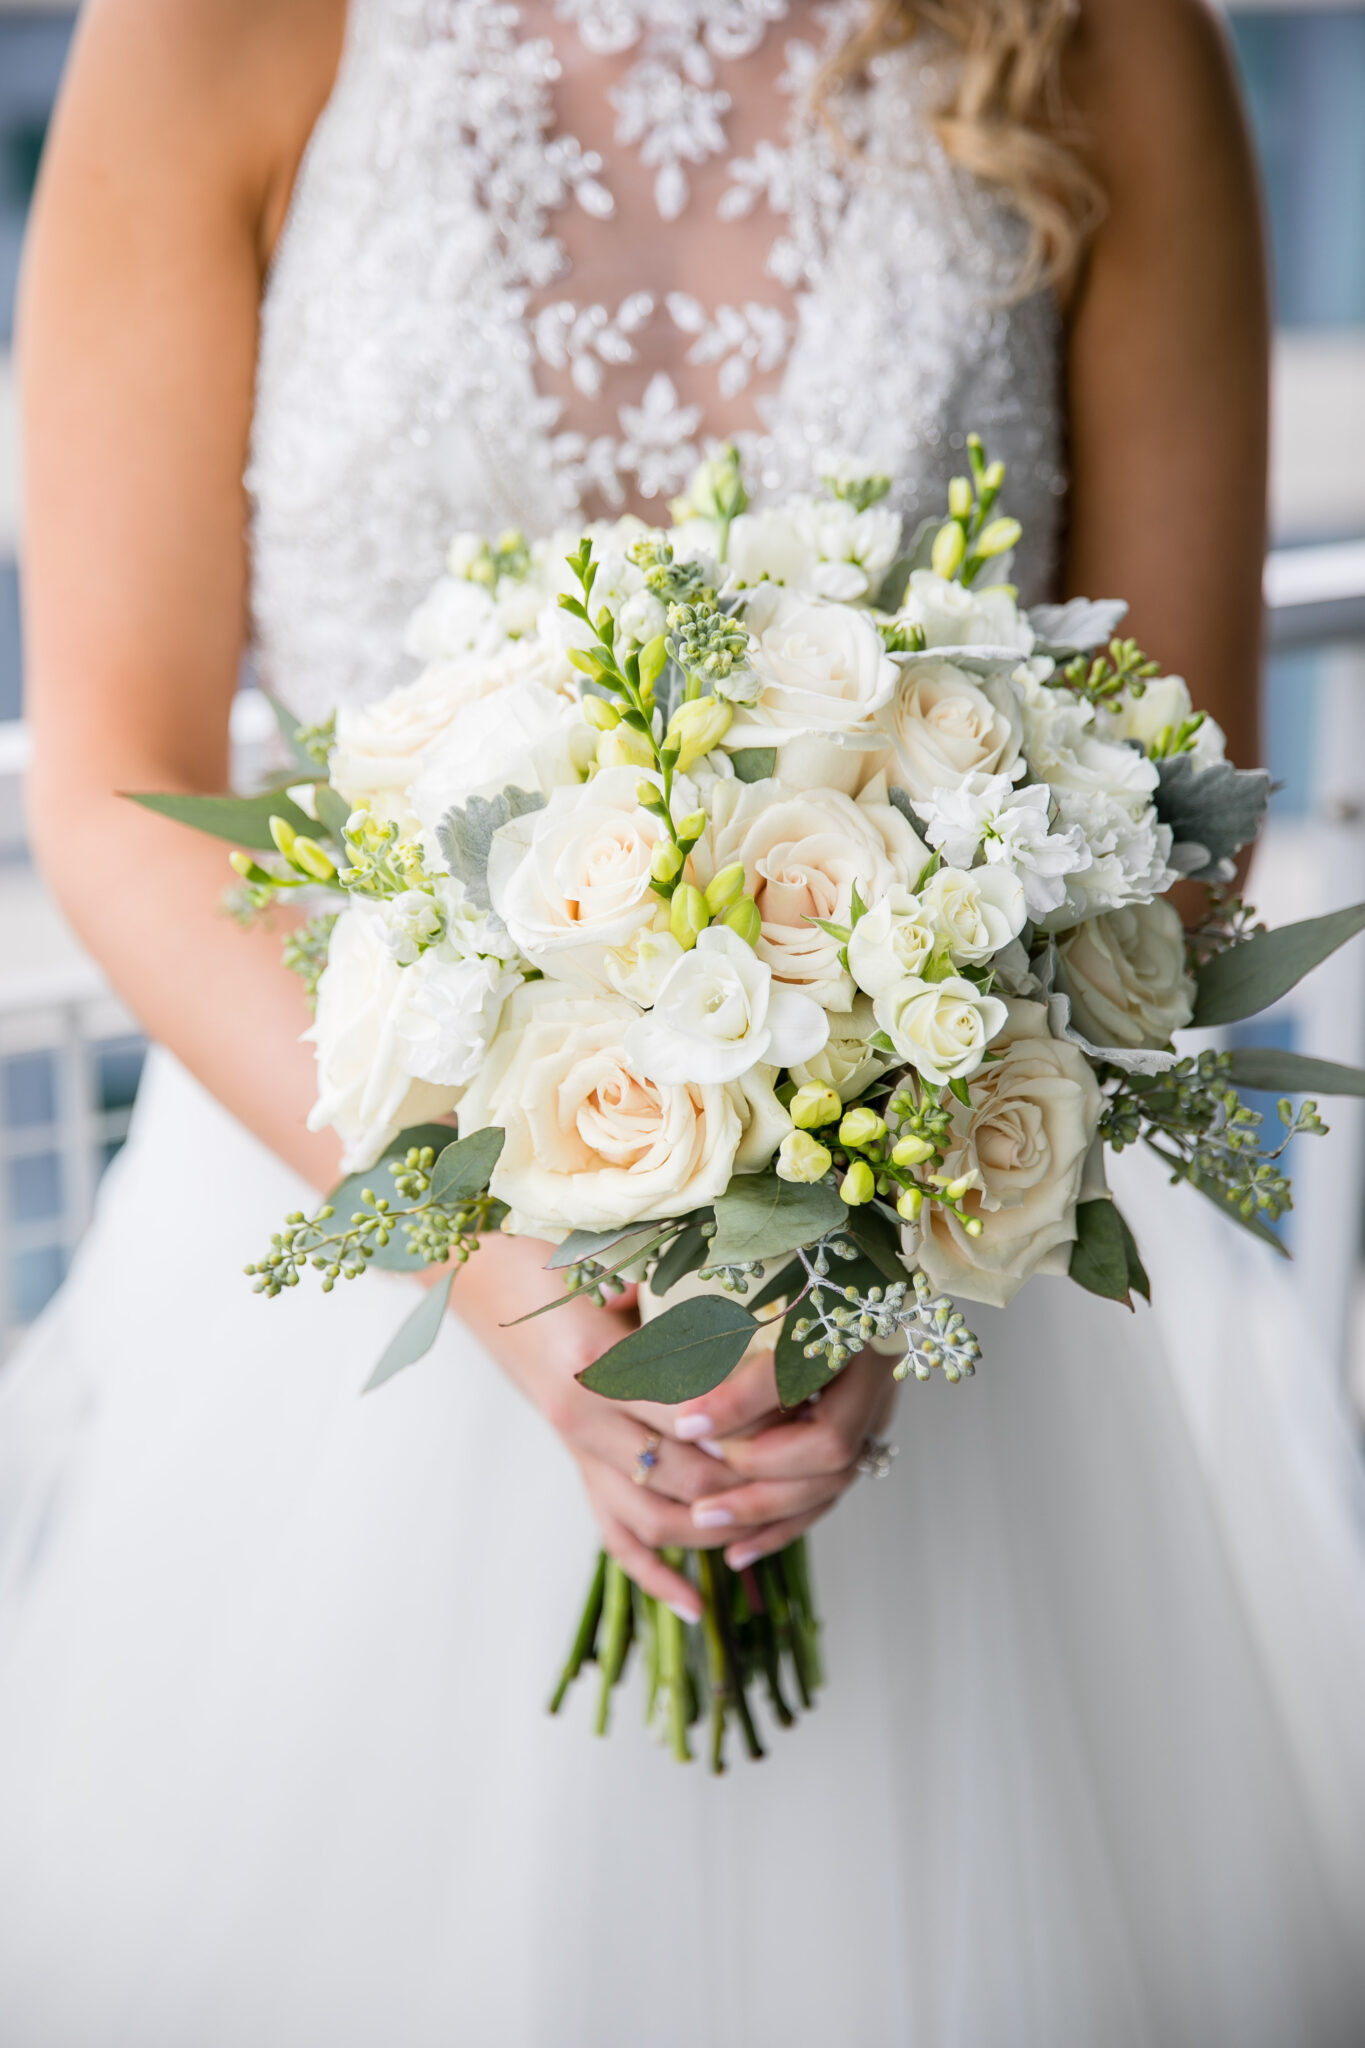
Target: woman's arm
x,y
1168,352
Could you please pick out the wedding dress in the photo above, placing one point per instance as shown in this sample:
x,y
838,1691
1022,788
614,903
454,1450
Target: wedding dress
x,y
275,1769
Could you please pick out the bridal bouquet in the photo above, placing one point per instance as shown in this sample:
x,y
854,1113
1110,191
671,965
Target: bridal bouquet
x,y
780,914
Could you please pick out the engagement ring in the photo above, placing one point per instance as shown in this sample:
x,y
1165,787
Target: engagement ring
x,y
646,1458
878,1456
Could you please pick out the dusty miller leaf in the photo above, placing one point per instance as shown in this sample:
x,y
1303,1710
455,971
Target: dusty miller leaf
x,y
465,835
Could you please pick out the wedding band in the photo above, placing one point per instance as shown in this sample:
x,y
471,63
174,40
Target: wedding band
x,y
646,1458
879,1454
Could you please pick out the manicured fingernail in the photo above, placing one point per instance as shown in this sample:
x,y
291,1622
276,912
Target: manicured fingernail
x,y
690,1427
712,1450
712,1518
684,1613
740,1560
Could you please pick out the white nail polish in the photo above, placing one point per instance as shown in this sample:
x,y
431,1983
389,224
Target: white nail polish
x,y
712,1518
712,1450
689,1427
684,1613
742,1559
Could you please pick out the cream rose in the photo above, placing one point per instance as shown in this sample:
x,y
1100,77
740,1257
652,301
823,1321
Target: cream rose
x,y
380,747
366,1092
525,737
1125,975
944,724
974,914
803,856
718,1014
590,1141
822,673
1029,1134
573,880
941,1027
455,618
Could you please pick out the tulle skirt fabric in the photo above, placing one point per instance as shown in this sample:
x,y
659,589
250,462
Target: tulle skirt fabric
x,y
275,1767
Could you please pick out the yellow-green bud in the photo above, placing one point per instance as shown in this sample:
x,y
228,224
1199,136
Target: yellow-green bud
x,y
802,1158
697,727
963,1185
241,863
687,918
859,1184
910,1204
623,748
309,856
587,664
653,655
950,545
647,793
743,918
725,887
666,861
283,836
861,1127
960,497
994,477
911,1151
692,826
814,1104
973,1226
997,537
599,713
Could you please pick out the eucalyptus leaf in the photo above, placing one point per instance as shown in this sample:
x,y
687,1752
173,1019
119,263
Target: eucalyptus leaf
x,y
1218,807
464,1168
633,1248
465,835
878,1238
332,809
242,820
762,1217
1293,1073
754,764
685,1255
899,799
290,728
1252,976
798,1377
1078,625
1137,1272
584,1244
1099,1257
1224,1202
416,1336
346,1197
683,1353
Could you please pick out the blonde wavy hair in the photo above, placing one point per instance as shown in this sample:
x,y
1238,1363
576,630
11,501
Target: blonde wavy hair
x,y
1005,120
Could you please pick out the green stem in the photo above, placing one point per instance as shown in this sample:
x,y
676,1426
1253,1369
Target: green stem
x,y
726,1583
775,1593
718,1668
615,1637
673,1669
586,1638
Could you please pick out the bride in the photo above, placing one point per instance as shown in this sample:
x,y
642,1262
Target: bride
x,y
274,1763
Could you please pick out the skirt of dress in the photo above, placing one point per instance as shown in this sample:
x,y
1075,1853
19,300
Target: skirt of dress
x,y
275,1767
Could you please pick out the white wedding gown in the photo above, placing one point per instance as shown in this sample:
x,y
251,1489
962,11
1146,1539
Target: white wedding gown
x,y
275,1770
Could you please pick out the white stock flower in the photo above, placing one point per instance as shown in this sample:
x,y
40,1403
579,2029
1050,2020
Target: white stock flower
x,y
861,545
456,618
411,922
573,880
367,1091
890,942
1009,828
718,1014
823,675
1126,977
803,856
1064,749
954,616
975,915
1129,856
941,1027
1029,1136
847,1062
769,545
944,724
590,1142
450,1011
525,737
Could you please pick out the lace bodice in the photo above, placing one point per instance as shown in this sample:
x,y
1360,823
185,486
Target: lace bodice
x,y
539,255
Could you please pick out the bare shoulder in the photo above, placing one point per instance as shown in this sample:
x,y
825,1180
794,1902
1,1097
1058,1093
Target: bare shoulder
x,y
1154,84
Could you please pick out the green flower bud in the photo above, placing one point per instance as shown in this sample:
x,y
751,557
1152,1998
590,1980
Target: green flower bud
x,y
960,497
994,476
910,1204
283,836
911,1151
666,862
725,887
858,1184
692,826
241,863
687,918
963,1185
743,918
622,748
697,727
599,713
802,1158
861,1127
648,795
994,539
950,545
814,1104
653,656
973,1226
309,856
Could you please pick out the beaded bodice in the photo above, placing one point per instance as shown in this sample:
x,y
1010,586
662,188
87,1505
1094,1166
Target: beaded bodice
x,y
539,255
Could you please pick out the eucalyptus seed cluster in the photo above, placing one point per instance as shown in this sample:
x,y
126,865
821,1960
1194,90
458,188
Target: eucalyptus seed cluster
x,y
595,1279
736,1278
1101,678
672,582
432,1232
937,1337
844,1319
304,951
1228,921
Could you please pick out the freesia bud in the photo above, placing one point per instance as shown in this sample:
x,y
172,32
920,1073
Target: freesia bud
x,y
950,545
622,748
994,476
697,727
647,794
802,1158
911,1151
814,1104
996,538
666,861
283,835
692,826
858,1184
724,887
688,917
743,919
973,1226
910,1204
600,713
960,497
309,856
241,863
861,1127
963,1185
653,656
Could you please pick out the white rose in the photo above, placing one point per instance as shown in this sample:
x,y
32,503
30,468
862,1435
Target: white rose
x,y
573,880
890,942
943,724
803,856
450,1011
822,673
941,1027
590,1142
456,618
525,737
953,616
718,1014
848,1063
1029,1134
366,1090
640,967
975,915
380,747
1125,974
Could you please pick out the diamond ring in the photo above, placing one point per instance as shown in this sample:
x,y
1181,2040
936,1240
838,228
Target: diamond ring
x,y
879,1454
646,1458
